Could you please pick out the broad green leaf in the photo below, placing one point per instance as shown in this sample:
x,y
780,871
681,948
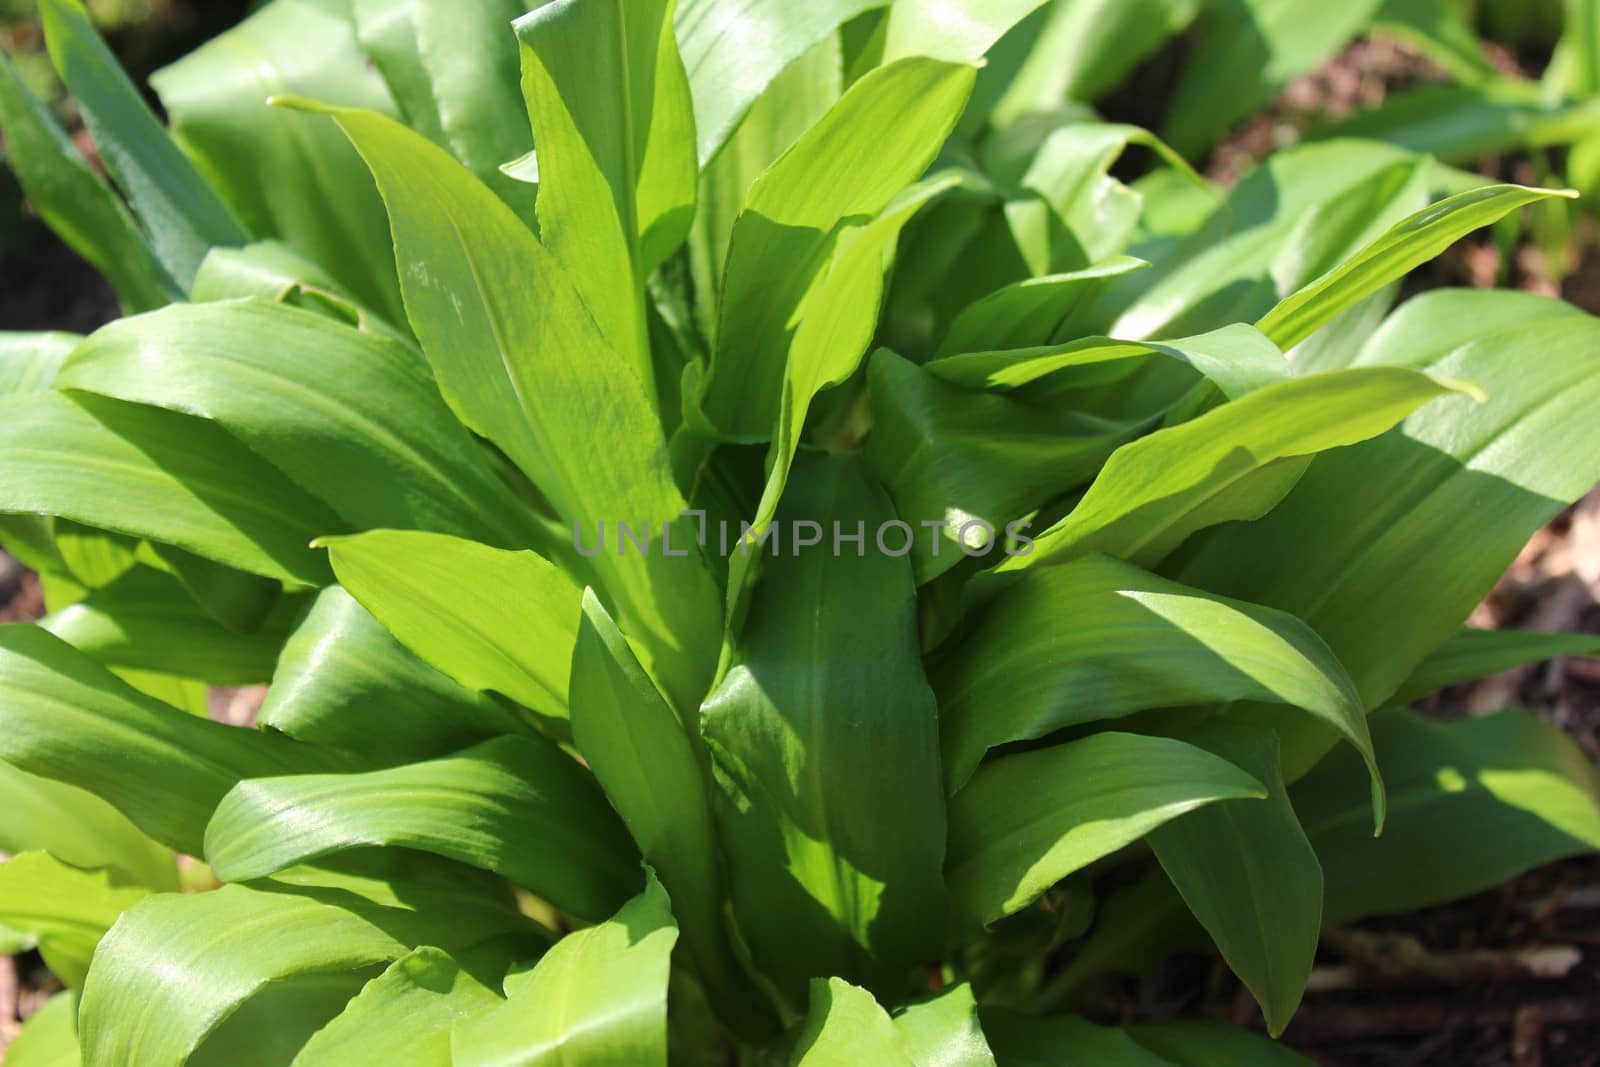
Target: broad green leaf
x,y
835,854
489,304
1475,803
944,1030
182,214
162,475
1205,1043
346,682
1579,48
355,418
1234,462
1444,503
390,34
963,465
880,136
240,601
288,176
50,1036
1472,654
611,116
516,806
598,996
1132,642
402,1018
1026,821
68,910
1237,358
1065,1041
1463,123
733,52
1410,244
845,1025
66,717
959,31
654,773
79,828
145,620
1434,324
1030,313
491,620
73,201
271,270
29,361
1247,872
1248,49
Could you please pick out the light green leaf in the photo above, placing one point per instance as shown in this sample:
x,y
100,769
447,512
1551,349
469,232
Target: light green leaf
x,y
1472,654
959,31
489,303
346,682
944,1030
845,1025
1234,462
1132,642
181,213
79,828
1026,821
655,775
1247,872
598,996
837,861
611,116
66,717
73,200
1410,244
158,474
402,1018
68,910
355,418
880,136
288,176
29,361
50,1036
1476,803
491,620
389,32
1029,313
516,806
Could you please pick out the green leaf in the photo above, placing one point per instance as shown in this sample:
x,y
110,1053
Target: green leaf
x,y
1442,31
880,136
516,806
1445,503
734,53
489,303
1237,358
836,858
68,910
288,176
1410,244
79,828
402,1018
390,33
1247,872
1234,462
145,620
355,418
491,620
1472,654
50,1036
1205,1043
1026,821
1029,313
344,681
960,31
73,201
1475,803
1434,324
845,1025
654,773
180,211
29,361
611,116
68,718
598,996
1065,1041
1133,642
162,475
944,1030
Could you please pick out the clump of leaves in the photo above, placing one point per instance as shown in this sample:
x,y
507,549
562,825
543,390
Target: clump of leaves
x,y
1115,525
